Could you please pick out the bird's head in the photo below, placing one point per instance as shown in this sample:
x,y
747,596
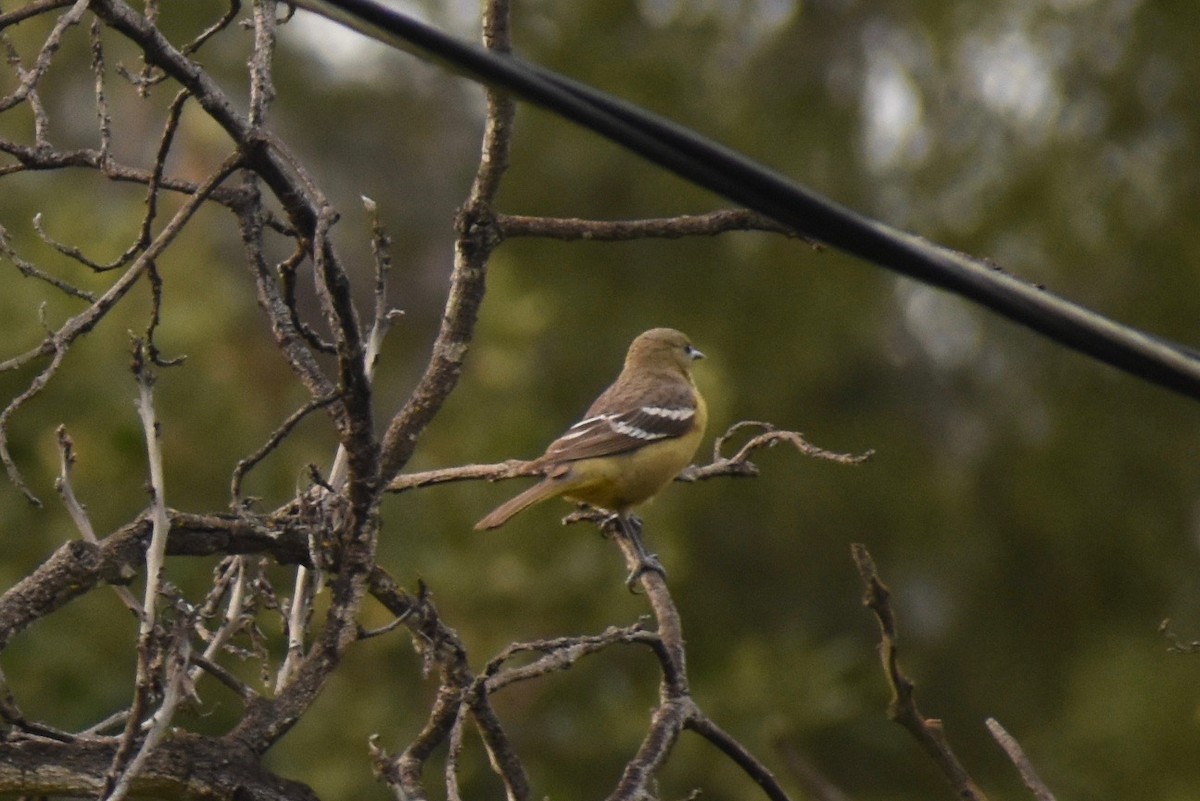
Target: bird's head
x,y
662,348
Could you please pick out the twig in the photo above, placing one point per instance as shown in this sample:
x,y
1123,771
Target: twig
x,y
31,76
756,770
739,463
558,654
384,315
244,466
454,743
122,771
903,709
666,722
173,694
736,465
230,624
103,117
1017,756
297,625
78,513
203,663
513,468
221,24
30,270
29,10
381,322
58,342
710,224
11,713
38,383
477,238
1176,644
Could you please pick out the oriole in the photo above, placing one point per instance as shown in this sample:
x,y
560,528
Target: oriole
x,y
633,440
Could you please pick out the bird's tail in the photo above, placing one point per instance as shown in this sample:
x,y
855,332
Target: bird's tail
x,y
547,488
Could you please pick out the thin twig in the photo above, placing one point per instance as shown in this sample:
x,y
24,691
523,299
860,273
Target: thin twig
x,y
726,744
173,694
739,463
559,654
160,525
1016,755
125,762
58,342
928,732
297,626
381,322
103,117
53,41
78,513
30,270
212,30
684,225
244,466
29,10
1175,643
477,237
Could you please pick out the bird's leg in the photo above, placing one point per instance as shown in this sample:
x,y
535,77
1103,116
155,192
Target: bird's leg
x,y
631,528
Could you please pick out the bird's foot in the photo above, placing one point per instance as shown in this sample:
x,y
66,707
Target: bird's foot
x,y
647,563
631,528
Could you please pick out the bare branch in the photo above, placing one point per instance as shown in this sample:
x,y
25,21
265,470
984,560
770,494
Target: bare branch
x,y
666,722
173,694
78,513
710,224
756,770
738,464
30,10
558,654
513,468
103,117
185,766
903,707
477,238
11,713
58,342
30,270
126,764
221,24
244,466
1175,643
1016,755
30,77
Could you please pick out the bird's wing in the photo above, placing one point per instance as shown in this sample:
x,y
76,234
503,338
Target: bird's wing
x,y
664,415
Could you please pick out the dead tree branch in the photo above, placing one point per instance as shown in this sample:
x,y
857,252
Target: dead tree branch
x,y
329,531
928,732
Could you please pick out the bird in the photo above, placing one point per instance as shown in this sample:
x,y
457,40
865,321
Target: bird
x,y
632,441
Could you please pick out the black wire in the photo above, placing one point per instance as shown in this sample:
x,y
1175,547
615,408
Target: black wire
x,y
738,178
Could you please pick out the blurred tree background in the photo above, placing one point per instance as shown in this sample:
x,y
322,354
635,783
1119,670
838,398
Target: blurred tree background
x,y
1035,513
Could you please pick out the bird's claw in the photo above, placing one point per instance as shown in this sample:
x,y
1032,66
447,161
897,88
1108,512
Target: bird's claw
x,y
631,528
647,563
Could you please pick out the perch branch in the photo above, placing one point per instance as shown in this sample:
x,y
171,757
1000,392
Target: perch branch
x,y
738,464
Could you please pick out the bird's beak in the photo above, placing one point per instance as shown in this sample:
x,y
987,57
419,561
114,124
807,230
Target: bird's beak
x,y
694,353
